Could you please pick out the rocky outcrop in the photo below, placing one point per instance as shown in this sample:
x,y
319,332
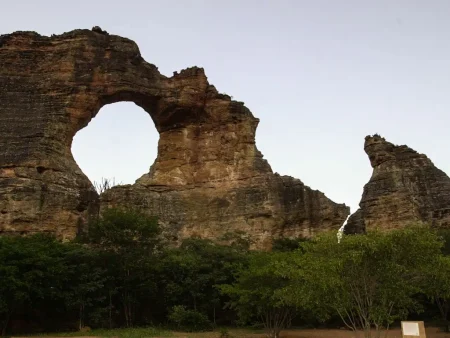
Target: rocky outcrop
x,y
208,179
405,188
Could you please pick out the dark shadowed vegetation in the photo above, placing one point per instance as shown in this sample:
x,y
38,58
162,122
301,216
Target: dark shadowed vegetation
x,y
122,273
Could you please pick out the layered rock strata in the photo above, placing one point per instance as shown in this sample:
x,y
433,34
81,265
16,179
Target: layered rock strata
x,y
405,188
208,179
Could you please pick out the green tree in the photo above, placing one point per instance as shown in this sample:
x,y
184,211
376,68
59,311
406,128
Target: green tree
x,y
368,280
14,290
130,242
191,272
84,288
32,271
437,287
256,292
188,320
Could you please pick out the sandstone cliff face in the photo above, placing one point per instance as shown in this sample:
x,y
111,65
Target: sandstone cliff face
x,y
405,187
208,179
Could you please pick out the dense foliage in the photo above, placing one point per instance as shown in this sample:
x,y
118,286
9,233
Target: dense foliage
x,y
369,281
122,273
256,294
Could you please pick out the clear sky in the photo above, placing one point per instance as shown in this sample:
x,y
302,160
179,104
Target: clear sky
x,y
320,74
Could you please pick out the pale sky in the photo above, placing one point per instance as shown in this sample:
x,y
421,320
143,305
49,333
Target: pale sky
x,y
320,75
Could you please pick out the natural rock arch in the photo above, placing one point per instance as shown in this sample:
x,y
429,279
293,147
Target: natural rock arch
x,y
117,146
208,179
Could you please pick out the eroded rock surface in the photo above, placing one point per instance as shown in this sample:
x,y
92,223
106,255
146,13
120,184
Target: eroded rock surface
x,y
208,179
405,188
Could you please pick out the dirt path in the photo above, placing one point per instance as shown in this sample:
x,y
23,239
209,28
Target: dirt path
x,y
396,333
431,333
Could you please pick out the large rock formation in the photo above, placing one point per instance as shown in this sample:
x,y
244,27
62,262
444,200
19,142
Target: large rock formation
x,y
208,178
405,187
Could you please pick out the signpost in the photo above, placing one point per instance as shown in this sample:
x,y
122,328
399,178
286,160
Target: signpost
x,y
413,330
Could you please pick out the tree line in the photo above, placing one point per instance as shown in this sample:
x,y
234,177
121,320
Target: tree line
x,y
122,273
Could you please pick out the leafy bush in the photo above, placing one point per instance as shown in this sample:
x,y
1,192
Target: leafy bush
x,y
256,293
188,276
189,320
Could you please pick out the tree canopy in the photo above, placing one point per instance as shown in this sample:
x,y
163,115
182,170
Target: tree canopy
x,y
123,273
368,280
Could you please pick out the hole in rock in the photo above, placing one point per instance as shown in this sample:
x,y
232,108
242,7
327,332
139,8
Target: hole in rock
x,y
119,144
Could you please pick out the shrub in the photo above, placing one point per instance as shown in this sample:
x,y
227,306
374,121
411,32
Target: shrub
x,y
224,333
189,320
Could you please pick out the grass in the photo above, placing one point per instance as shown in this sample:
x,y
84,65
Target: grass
x,y
122,333
147,332
235,333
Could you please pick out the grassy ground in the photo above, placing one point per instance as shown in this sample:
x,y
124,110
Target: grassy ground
x,y
122,333
234,333
148,332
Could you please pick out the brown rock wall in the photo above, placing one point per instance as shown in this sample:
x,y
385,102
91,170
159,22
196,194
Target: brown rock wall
x,y
405,188
208,179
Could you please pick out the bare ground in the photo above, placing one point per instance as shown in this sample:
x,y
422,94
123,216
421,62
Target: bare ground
x,y
313,333
395,333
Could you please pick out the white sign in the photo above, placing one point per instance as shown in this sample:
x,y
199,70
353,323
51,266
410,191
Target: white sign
x,y
410,329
